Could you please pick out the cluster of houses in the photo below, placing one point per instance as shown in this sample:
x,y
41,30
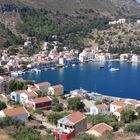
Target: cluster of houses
x,y
115,107
120,21
75,123
30,98
68,126
53,58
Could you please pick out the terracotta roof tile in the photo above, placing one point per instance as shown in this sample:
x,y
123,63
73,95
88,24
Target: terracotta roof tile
x,y
32,93
119,110
15,111
41,99
133,102
20,91
101,128
76,116
99,106
57,86
119,103
43,84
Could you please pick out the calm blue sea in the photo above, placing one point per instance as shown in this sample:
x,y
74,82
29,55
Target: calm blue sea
x,y
123,83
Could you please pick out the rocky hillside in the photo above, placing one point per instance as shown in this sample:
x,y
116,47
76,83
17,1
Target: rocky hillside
x,y
105,7
71,20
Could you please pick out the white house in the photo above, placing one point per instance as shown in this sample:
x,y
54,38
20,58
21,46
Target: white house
x,y
117,113
86,55
19,113
25,97
99,109
117,104
62,61
56,90
135,58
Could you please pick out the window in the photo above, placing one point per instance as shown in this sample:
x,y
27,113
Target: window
x,y
60,124
13,97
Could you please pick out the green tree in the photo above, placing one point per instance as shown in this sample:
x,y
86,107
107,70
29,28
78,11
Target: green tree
x,y
98,102
17,85
128,116
57,107
135,127
75,104
2,105
53,118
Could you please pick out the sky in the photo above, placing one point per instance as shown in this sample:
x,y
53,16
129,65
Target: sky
x,y
138,1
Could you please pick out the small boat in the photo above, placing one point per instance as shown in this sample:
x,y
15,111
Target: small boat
x,y
14,74
53,68
73,65
114,69
102,67
36,70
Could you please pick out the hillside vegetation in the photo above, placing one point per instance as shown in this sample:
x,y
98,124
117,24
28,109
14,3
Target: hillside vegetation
x,y
74,22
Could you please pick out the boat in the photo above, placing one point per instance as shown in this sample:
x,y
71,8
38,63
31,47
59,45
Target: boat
x,y
14,74
73,65
53,68
114,69
102,67
36,70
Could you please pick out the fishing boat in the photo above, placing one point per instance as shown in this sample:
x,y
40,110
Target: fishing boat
x,y
114,69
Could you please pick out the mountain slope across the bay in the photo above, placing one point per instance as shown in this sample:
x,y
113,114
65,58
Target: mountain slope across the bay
x,y
109,7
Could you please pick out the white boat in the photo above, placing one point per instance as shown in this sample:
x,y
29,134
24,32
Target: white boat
x,y
73,65
114,69
53,68
19,72
14,74
36,70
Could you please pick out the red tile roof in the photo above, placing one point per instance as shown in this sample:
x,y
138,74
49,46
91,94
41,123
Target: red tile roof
x,y
15,111
101,128
57,86
119,103
119,110
43,84
76,116
32,93
41,99
133,102
20,91
100,106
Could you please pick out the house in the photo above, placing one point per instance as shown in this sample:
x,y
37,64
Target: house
x,y
62,61
43,87
125,57
133,103
70,126
19,113
56,90
117,113
99,109
86,55
15,95
42,103
118,104
99,129
25,97
135,58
